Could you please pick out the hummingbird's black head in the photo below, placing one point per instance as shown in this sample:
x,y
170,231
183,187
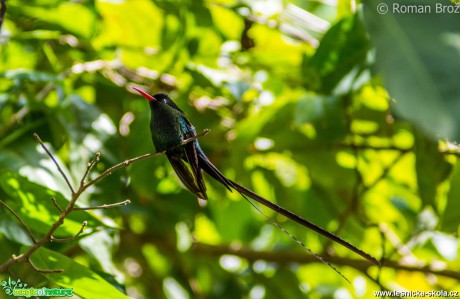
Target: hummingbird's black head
x,y
159,98
164,99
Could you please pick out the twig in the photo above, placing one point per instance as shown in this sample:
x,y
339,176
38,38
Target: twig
x,y
55,162
24,257
12,274
377,281
281,256
364,146
56,204
105,206
384,174
90,166
31,235
291,256
62,240
354,197
44,271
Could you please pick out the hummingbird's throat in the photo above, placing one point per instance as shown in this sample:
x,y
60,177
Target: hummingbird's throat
x,y
145,95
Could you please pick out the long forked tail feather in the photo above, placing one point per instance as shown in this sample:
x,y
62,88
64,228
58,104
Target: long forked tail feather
x,y
217,175
274,223
302,221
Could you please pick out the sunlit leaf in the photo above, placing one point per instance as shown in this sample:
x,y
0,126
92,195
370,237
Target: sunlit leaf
x,y
34,205
82,280
342,48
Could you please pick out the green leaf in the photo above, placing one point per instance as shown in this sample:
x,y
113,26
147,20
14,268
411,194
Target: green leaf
x,y
325,114
223,215
84,282
129,22
20,75
100,245
7,247
342,48
33,204
14,231
416,56
201,13
35,165
431,167
451,216
63,15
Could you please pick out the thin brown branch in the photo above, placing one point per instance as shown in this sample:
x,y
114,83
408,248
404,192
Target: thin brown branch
x,y
44,271
383,175
31,235
55,162
62,240
363,146
105,206
56,204
354,196
282,256
90,166
290,256
24,257
377,281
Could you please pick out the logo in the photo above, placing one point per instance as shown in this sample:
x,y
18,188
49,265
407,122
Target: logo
x,y
18,288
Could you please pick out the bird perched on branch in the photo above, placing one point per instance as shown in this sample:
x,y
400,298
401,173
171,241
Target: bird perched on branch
x,y
169,127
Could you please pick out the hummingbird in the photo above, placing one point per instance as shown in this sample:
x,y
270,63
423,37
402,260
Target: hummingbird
x,y
169,127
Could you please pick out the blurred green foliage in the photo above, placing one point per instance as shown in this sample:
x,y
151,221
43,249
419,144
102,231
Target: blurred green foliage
x,y
299,112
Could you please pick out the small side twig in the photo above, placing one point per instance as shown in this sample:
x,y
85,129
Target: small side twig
x,y
31,235
55,162
25,257
90,166
62,240
56,204
105,206
44,271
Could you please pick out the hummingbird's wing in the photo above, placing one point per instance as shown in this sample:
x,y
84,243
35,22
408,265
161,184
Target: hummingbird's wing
x,y
186,176
191,177
192,159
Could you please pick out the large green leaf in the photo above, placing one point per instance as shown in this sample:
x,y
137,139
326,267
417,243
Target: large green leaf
x,y
84,282
100,245
62,16
342,48
13,230
25,160
417,54
32,202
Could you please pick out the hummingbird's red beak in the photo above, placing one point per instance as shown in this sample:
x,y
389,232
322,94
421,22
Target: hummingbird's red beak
x,y
145,95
